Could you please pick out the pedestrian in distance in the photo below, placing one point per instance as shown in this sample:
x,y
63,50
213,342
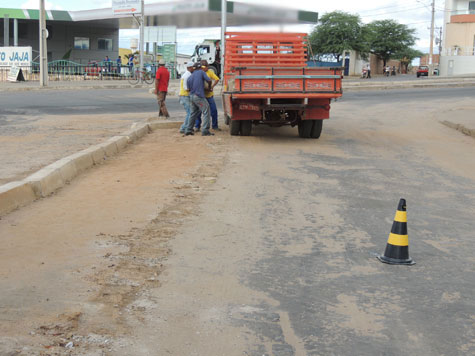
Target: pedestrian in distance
x,y
364,72
108,63
161,88
199,104
387,71
368,71
131,63
119,64
185,95
210,98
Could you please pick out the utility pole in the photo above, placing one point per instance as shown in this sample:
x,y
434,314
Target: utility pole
x,y
223,33
43,47
440,42
142,22
431,51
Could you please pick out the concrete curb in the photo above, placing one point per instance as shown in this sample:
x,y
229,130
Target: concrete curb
x,y
460,127
53,177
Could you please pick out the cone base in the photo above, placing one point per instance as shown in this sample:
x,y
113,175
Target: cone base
x,y
394,261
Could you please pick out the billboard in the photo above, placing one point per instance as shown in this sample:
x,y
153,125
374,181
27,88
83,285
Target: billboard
x,y
160,34
15,56
126,7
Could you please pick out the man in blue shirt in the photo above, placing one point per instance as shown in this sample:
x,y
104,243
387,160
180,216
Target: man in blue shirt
x,y
119,64
131,63
196,86
108,62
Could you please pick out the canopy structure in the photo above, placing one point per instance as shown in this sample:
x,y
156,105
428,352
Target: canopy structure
x,y
199,13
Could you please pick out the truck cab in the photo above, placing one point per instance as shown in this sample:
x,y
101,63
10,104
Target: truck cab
x,y
207,50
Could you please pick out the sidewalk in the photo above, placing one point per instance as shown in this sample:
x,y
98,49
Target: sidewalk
x,y
71,85
406,81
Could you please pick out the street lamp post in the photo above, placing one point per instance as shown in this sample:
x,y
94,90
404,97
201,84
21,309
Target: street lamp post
x,y
431,50
223,33
142,37
43,47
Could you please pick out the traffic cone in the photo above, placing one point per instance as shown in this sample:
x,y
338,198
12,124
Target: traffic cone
x,y
397,248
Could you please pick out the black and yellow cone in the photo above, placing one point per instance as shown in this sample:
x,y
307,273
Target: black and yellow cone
x,y
397,248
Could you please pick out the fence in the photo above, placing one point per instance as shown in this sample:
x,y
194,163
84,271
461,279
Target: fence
x,y
75,72
459,51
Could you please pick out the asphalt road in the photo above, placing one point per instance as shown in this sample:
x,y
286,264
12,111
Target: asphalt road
x,y
298,224
279,256
120,101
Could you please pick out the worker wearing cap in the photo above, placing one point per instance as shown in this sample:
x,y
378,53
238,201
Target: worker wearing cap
x,y
210,98
185,95
161,88
199,104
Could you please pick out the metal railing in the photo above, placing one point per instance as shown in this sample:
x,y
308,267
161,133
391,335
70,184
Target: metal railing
x,y
459,51
462,12
70,71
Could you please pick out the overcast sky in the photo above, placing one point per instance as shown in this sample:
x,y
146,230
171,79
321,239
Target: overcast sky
x,y
414,13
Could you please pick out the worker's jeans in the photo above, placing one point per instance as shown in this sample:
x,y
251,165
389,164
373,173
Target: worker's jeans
x,y
198,105
185,101
213,112
162,108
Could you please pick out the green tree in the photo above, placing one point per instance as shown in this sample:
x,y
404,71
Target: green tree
x,y
336,32
387,37
406,56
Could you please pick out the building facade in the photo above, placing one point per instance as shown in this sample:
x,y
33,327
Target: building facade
x,y
81,42
458,54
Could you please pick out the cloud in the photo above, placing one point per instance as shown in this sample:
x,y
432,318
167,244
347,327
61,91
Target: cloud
x,y
35,4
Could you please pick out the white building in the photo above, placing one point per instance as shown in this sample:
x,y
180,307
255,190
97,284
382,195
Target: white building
x,y
458,54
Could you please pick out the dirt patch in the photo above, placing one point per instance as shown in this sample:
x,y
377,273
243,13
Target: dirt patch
x,y
90,260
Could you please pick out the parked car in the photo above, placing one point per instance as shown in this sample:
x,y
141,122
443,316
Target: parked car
x,y
422,71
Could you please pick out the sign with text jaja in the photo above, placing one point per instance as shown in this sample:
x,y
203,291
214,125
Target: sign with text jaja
x,y
15,56
126,7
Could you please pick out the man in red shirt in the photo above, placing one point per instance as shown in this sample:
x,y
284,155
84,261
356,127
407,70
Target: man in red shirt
x,y
161,88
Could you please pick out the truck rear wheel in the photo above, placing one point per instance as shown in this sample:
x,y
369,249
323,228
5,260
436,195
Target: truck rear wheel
x,y
305,128
246,128
234,127
317,128
213,69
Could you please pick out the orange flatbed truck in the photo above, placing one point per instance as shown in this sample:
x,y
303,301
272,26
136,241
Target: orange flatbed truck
x,y
267,81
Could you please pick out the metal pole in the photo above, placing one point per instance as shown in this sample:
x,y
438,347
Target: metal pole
x,y
142,21
440,45
43,48
6,30
15,32
223,33
431,51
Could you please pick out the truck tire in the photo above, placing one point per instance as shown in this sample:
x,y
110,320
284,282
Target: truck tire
x,y
246,128
234,127
316,128
213,69
305,128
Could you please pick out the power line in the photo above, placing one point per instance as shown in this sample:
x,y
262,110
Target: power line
x,y
394,12
382,8
415,23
